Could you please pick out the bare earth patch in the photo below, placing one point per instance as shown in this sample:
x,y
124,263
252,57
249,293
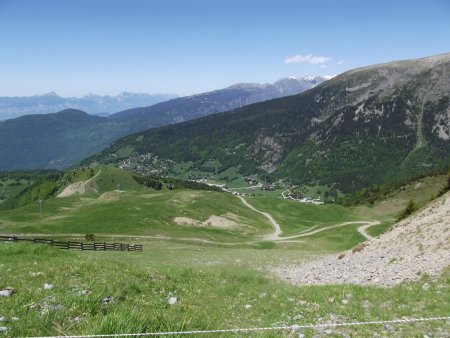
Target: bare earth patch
x,y
79,188
221,222
213,221
418,245
186,221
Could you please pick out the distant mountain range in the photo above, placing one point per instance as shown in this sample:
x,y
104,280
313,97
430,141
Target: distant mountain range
x,y
11,107
370,125
191,107
59,140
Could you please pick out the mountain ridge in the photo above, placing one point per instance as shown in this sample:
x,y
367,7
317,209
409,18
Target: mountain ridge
x,y
359,128
203,104
86,140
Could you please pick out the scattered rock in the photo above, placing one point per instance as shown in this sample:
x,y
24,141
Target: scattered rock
x,y
108,300
388,327
83,292
345,301
172,300
3,329
247,306
328,331
48,286
7,292
3,319
34,274
295,327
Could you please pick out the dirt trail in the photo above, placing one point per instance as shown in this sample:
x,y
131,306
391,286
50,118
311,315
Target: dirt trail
x,y
363,229
276,227
276,234
77,187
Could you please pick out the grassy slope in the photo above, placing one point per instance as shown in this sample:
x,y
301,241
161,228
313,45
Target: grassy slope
x,y
296,217
213,283
135,213
145,212
209,296
9,187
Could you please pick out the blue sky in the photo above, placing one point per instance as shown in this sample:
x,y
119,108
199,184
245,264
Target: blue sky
x,y
190,46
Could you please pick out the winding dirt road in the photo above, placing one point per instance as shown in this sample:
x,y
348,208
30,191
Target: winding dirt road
x,y
276,227
276,234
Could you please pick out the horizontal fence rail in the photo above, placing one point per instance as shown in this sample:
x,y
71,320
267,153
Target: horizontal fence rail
x,y
76,245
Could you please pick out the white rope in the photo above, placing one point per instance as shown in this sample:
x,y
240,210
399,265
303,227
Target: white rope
x,y
271,328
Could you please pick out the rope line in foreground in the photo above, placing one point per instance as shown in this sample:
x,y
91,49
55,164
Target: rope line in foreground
x,y
254,329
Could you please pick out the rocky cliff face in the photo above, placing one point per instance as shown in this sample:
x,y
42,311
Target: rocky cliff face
x,y
398,113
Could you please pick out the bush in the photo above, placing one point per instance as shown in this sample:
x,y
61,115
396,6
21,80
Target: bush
x,y
90,237
410,208
445,188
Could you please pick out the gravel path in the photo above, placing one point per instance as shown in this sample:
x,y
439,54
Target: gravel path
x,y
415,246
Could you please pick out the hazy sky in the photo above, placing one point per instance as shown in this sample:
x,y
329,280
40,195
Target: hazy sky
x,y
191,46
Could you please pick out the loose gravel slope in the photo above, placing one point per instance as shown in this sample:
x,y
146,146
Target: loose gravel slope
x,y
420,244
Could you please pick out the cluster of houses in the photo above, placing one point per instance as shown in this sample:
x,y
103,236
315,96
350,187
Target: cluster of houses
x,y
316,201
306,199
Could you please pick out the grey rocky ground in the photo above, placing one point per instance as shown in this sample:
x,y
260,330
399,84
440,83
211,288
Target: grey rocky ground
x,y
418,245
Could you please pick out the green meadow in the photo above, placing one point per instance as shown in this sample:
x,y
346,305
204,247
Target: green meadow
x,y
205,265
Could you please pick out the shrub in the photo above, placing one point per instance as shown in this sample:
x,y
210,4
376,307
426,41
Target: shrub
x,y
410,208
90,237
359,248
445,188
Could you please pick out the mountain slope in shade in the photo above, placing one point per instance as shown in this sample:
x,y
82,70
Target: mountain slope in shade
x,y
369,125
12,107
60,140
51,140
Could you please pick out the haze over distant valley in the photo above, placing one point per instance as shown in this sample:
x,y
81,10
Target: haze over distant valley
x,y
15,106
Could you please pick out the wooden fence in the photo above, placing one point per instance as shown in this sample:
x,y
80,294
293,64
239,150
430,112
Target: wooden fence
x,y
77,245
